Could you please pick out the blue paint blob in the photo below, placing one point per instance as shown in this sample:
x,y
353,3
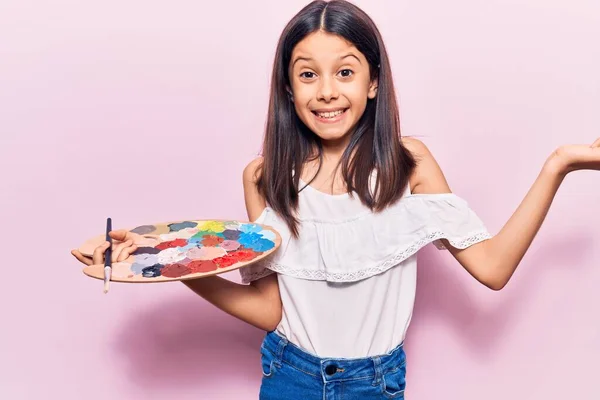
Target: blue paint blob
x,y
261,245
152,272
182,225
247,239
137,268
196,241
268,234
189,246
250,228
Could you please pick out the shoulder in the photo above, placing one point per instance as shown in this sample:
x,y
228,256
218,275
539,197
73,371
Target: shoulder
x,y
255,202
415,146
427,176
252,170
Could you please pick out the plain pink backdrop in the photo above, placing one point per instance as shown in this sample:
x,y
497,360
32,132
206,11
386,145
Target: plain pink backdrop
x,y
148,111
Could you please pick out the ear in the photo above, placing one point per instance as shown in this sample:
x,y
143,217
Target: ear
x,y
288,89
373,89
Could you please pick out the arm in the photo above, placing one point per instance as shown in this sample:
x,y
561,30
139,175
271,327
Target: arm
x,y
492,262
259,303
250,303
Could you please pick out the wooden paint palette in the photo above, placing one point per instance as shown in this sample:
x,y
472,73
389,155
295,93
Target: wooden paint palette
x,y
176,251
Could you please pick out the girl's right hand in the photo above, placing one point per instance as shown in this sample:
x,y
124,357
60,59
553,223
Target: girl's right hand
x,y
124,243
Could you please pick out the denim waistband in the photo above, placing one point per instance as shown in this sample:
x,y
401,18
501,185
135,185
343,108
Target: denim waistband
x,y
333,369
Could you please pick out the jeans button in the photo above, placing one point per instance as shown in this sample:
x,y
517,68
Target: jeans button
x,y
330,369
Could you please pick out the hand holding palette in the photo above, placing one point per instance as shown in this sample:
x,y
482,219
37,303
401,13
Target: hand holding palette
x,y
184,250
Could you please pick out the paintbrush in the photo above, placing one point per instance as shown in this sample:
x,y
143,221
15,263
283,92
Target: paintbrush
x,y
108,256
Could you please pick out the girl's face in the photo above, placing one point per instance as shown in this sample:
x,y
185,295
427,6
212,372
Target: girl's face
x,y
330,84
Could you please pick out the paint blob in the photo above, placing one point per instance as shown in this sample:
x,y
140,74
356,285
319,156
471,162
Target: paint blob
x,y
211,240
205,253
230,245
229,234
144,229
212,226
176,227
175,270
184,233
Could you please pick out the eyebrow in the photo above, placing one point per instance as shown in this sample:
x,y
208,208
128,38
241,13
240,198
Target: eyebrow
x,y
310,59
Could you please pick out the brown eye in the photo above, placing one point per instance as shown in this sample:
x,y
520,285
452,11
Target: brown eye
x,y
303,75
346,73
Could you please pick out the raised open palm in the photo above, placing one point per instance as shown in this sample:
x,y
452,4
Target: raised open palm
x,y
579,156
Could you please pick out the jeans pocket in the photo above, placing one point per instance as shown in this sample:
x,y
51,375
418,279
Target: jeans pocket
x,y
267,361
394,382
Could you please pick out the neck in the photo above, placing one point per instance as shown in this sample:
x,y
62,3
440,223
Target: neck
x,y
333,149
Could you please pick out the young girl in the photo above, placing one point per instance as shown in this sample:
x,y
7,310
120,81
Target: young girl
x,y
354,202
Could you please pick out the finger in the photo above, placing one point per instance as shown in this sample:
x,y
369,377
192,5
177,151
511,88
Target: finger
x,y
119,248
118,236
596,143
98,255
122,235
81,258
126,253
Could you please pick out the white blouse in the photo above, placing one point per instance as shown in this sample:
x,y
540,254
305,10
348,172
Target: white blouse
x,y
348,282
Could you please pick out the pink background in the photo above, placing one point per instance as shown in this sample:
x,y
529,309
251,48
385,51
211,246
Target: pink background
x,y
105,106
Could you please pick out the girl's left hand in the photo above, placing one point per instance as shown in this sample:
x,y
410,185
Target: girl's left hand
x,y
573,157
124,243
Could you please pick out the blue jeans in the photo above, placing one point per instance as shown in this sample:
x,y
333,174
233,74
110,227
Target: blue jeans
x,y
291,373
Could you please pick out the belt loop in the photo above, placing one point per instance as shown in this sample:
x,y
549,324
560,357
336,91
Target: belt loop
x,y
279,352
377,366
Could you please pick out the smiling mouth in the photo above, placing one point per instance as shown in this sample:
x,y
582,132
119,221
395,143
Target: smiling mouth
x,y
330,114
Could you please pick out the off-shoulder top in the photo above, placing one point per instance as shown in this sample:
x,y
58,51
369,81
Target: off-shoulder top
x,y
348,282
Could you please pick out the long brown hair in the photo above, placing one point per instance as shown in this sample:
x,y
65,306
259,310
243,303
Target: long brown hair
x,y
375,140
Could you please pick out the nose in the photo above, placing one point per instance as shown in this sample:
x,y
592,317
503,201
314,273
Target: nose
x,y
327,89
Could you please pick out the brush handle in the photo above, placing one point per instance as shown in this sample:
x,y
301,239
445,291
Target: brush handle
x,y
108,252
108,256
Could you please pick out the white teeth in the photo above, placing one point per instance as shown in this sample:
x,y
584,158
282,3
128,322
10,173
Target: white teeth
x,y
330,114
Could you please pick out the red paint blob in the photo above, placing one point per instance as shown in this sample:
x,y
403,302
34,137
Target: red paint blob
x,y
244,255
225,261
202,266
175,270
170,244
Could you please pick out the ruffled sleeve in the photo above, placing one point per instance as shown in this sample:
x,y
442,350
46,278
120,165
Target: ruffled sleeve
x,y
451,218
